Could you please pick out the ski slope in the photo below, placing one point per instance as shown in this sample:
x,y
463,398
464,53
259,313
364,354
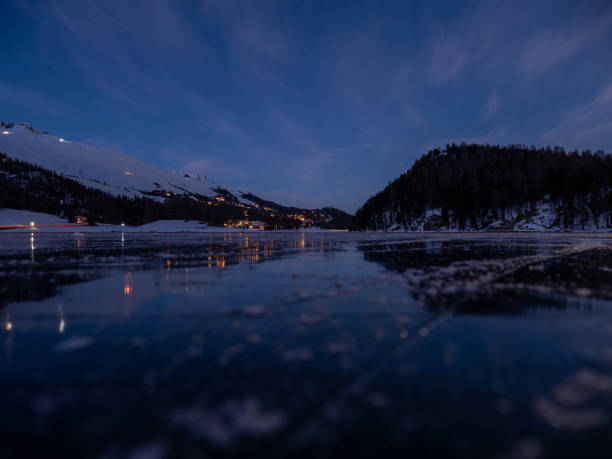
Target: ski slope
x,y
101,168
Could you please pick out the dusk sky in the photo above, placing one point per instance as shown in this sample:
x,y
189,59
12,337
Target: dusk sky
x,y
302,102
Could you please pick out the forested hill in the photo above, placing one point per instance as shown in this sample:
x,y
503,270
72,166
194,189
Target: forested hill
x,y
490,187
27,186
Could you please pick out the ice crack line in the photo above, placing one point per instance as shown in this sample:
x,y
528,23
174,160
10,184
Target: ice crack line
x,y
331,410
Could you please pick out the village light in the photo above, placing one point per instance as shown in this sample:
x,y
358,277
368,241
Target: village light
x,y
31,223
61,140
6,132
123,224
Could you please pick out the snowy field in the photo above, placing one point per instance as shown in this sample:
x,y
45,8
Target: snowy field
x,y
13,217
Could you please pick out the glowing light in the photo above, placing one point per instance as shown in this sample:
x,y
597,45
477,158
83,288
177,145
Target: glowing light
x,y
61,140
128,285
128,173
6,132
32,247
31,223
123,224
62,323
9,326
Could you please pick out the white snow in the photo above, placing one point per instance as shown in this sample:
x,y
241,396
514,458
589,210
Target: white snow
x,y
545,216
14,217
101,168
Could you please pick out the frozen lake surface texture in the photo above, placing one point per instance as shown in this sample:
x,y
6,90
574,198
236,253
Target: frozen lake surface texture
x,y
305,345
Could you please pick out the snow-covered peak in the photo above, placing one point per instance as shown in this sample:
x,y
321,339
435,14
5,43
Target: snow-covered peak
x,y
102,168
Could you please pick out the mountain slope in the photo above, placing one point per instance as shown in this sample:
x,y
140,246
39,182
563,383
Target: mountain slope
x,y
36,159
485,187
101,168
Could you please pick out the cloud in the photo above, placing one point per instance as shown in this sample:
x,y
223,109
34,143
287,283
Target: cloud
x,y
557,45
214,166
465,41
492,106
308,160
135,53
448,59
256,37
586,125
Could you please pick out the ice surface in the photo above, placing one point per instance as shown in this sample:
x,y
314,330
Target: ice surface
x,y
305,345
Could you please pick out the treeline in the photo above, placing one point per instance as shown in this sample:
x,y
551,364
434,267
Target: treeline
x,y
472,182
26,186
339,218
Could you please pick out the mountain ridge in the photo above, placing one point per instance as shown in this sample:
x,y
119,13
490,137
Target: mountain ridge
x,y
121,175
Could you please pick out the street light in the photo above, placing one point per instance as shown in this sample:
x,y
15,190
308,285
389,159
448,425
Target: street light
x,y
31,223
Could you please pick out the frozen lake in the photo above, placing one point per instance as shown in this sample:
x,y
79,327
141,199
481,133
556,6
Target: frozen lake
x,y
305,345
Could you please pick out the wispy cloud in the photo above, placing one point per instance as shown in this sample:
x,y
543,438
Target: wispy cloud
x,y
492,106
557,45
256,38
466,40
308,158
126,51
586,125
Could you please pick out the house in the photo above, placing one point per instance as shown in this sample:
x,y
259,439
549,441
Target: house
x,y
257,225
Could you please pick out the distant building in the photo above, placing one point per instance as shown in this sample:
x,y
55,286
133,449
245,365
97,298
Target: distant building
x,y
257,225
247,224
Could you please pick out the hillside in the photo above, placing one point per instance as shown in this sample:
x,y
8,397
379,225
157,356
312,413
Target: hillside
x,y
488,187
44,173
100,168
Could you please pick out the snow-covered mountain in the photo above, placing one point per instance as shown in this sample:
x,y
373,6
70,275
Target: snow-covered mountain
x,y
29,158
102,168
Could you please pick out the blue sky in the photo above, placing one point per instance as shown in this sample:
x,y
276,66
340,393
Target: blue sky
x,y
302,102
